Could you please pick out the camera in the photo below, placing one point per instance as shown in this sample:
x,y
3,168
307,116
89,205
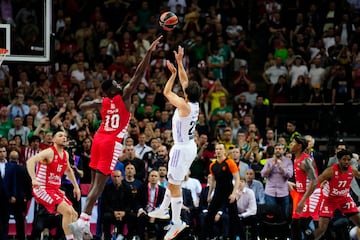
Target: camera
x,y
72,144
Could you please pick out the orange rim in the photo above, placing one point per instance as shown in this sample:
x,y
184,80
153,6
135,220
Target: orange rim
x,y
3,51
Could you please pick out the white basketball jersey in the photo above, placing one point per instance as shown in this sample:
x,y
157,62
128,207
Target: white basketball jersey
x,y
183,128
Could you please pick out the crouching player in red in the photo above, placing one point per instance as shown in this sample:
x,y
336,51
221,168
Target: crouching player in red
x,y
52,163
336,188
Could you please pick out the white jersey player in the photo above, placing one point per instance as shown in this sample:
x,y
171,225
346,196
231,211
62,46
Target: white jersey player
x,y
183,152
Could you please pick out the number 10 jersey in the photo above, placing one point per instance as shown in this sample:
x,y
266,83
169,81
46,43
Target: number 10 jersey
x,y
115,117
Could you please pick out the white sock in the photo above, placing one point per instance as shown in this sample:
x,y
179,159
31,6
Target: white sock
x,y
83,219
69,237
166,201
176,204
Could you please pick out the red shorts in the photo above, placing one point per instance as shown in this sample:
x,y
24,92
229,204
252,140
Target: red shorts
x,y
344,204
49,198
105,152
311,207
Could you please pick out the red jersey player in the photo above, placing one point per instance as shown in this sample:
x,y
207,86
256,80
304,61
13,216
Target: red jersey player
x,y
304,172
107,144
52,163
336,194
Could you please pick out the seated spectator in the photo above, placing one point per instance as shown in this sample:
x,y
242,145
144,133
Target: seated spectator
x,y
149,197
44,222
246,207
116,205
187,208
194,186
256,186
130,156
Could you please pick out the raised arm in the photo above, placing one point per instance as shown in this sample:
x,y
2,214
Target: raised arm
x,y
182,73
96,103
174,99
130,88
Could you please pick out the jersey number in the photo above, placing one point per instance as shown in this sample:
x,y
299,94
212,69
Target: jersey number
x,y
192,128
112,121
342,183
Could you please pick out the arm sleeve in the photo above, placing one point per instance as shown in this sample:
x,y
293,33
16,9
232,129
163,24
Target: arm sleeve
x,y
232,166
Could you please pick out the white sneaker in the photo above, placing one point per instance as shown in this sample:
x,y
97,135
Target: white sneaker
x,y
174,230
158,213
76,230
87,232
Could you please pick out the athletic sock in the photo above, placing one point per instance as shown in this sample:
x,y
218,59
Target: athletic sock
x,y
69,237
83,219
176,204
166,201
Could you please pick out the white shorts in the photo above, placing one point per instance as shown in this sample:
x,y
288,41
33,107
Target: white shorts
x,y
181,157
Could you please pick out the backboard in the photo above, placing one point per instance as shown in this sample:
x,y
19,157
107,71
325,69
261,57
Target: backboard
x,y
28,40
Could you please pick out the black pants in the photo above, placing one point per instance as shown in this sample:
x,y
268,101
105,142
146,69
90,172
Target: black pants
x,y
300,227
216,205
155,229
18,210
4,218
44,219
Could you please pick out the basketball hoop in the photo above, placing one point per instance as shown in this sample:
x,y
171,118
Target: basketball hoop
x,y
3,53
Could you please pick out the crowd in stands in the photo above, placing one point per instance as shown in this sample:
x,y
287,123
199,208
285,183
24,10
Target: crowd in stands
x,y
308,52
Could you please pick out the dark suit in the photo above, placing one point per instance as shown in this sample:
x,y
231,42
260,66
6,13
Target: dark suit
x,y
115,199
23,195
142,201
188,202
7,190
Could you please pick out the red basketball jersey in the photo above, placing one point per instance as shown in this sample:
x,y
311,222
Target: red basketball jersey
x,y
339,184
49,175
115,117
300,175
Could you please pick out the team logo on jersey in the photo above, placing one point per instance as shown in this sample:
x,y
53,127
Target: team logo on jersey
x,y
112,105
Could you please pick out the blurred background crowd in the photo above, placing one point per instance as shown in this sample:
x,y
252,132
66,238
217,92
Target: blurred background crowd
x,y
269,70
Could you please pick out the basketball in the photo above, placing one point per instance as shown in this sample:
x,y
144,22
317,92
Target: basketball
x,y
168,21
